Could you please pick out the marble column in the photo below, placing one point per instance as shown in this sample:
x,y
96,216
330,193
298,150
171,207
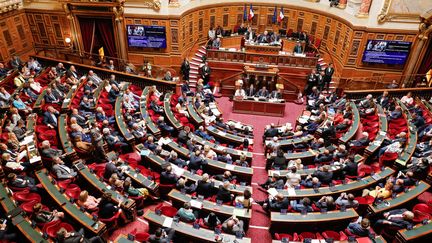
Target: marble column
x,y
364,9
342,4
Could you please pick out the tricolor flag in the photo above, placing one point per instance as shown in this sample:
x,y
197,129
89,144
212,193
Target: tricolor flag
x,y
281,15
251,13
275,16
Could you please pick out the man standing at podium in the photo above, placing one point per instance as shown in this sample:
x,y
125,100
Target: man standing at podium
x,y
298,48
205,73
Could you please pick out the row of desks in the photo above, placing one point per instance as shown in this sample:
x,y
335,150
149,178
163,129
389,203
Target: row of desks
x,y
23,224
405,156
354,127
382,133
120,119
187,230
157,162
144,113
196,118
338,189
231,138
169,113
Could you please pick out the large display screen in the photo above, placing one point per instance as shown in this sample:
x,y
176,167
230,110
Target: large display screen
x,y
146,36
386,52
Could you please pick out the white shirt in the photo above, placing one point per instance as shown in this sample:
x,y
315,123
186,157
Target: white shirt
x,y
240,92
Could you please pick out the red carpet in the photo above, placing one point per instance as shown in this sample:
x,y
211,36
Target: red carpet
x,y
260,221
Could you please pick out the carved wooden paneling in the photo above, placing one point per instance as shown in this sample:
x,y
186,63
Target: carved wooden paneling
x,y
15,36
49,29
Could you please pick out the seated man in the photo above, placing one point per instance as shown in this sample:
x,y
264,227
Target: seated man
x,y
263,92
233,225
347,200
50,97
162,236
113,140
275,203
400,218
186,214
21,181
324,175
397,113
361,229
49,152
50,117
304,205
224,194
362,141
61,170
168,177
203,134
164,126
205,186
275,181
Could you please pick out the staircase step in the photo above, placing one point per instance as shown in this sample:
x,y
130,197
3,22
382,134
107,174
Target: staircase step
x,y
202,51
193,72
196,59
194,62
193,76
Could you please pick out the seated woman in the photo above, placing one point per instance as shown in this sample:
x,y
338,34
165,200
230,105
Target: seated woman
x,y
43,216
186,214
20,105
35,86
244,201
380,192
87,201
132,191
407,99
240,94
181,108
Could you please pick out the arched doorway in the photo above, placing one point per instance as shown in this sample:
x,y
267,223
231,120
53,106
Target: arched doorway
x,y
97,33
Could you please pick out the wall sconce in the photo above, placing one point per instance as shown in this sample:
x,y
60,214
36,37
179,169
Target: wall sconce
x,y
68,40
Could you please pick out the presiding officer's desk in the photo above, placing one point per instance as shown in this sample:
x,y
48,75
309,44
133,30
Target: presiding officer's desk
x,y
187,230
365,182
223,211
258,107
280,222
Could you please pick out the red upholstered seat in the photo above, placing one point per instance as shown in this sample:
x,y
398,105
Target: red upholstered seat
x,y
167,210
388,157
331,234
306,235
52,227
26,196
73,192
28,206
281,236
426,197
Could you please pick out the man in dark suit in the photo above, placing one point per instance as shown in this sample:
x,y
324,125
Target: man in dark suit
x,y
362,141
183,136
361,229
250,34
167,176
298,48
242,29
275,181
350,167
111,168
196,161
72,72
186,89
311,81
400,218
50,97
50,117
263,92
383,100
251,91
162,236
324,157
20,181
328,133
276,94
74,237
397,113
264,38
324,175
224,193
49,152
275,204
113,93
328,74
205,186
205,73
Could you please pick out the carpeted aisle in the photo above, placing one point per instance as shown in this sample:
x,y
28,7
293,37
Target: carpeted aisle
x,y
260,221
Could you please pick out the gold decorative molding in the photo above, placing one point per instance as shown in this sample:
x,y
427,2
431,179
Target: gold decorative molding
x,y
153,4
387,16
9,5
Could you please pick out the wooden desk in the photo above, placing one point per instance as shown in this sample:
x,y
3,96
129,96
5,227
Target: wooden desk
x,y
142,180
169,113
157,163
263,108
145,115
187,231
289,142
231,138
280,222
73,91
257,48
83,218
223,211
234,153
24,225
121,124
96,183
243,173
98,92
232,41
365,182
400,199
196,118
419,233
378,239
382,133
411,142
64,137
354,126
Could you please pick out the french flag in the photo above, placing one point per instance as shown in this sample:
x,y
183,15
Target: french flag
x,y
281,15
251,13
